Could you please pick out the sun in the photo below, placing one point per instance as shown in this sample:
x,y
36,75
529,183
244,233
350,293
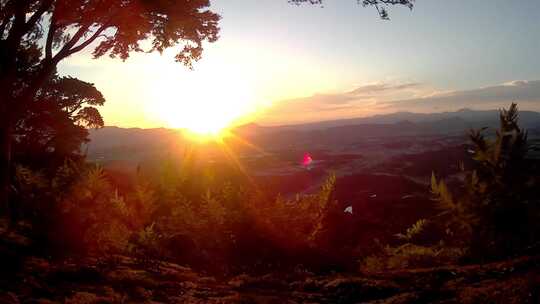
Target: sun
x,y
204,104
206,128
204,115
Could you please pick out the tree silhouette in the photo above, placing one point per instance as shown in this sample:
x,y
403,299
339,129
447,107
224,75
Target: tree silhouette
x,y
35,35
380,5
56,126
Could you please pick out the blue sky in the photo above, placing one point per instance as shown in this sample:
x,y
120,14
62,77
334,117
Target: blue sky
x,y
451,44
288,57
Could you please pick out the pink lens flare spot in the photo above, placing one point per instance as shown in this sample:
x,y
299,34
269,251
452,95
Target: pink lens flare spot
x,y
307,160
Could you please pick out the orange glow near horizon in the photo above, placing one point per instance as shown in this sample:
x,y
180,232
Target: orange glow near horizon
x,y
206,135
231,85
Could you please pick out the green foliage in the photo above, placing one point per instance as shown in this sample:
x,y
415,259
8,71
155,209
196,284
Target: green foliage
x,y
184,216
66,175
37,193
201,220
78,209
56,127
145,246
499,211
413,231
29,182
458,216
142,204
214,209
304,217
98,211
411,256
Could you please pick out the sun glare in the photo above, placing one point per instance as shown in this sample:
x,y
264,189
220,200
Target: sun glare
x,y
206,103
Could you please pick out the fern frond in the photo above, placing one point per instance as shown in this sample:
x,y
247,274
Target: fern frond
x,y
413,231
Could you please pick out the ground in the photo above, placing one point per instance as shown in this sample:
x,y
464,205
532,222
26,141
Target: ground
x,y
28,278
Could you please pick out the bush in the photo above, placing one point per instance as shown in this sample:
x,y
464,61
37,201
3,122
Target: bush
x,y
498,213
75,211
411,255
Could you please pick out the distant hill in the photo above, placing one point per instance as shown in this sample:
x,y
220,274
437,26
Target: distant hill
x,y
114,143
119,143
115,136
348,131
463,118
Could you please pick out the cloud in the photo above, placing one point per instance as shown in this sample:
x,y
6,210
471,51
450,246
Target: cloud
x,y
329,99
382,87
413,97
525,92
329,106
315,103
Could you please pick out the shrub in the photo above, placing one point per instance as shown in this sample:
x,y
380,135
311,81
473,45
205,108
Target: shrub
x,y
411,255
146,246
498,213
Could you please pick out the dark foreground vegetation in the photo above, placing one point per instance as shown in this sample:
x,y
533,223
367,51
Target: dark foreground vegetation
x,y
187,232
41,280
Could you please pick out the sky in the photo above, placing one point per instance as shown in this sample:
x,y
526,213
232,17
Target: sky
x,y
277,63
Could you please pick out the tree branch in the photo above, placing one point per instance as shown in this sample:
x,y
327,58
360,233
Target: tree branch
x,y
81,46
65,51
20,26
3,25
6,13
389,2
18,23
45,5
50,37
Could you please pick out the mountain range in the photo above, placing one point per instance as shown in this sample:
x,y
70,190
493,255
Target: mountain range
x,y
345,131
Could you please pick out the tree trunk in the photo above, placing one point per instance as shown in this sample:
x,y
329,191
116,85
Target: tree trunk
x,y
7,78
5,163
13,108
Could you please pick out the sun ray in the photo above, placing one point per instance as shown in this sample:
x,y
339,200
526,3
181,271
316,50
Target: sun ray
x,y
246,143
272,159
232,156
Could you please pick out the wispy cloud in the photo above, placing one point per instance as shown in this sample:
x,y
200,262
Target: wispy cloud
x,y
524,92
355,102
390,97
382,87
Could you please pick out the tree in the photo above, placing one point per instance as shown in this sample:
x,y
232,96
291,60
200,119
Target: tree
x,y
35,35
57,125
499,210
380,5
